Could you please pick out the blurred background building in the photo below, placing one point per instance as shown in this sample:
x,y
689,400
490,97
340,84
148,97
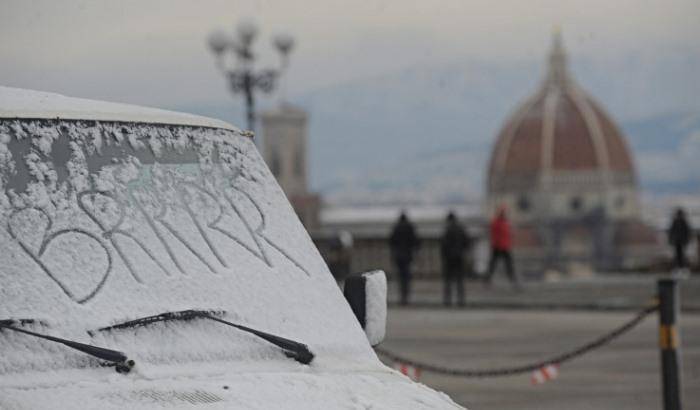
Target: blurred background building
x,y
563,170
284,141
560,166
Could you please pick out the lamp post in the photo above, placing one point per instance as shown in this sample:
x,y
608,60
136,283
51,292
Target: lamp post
x,y
235,59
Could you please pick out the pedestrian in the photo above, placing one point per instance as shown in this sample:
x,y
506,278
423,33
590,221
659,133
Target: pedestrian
x,y
454,244
679,237
403,243
501,243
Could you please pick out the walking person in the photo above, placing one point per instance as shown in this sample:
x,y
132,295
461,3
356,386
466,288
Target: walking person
x,y
403,243
454,243
679,237
501,248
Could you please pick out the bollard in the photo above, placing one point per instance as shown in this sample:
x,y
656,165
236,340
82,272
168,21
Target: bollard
x,y
669,343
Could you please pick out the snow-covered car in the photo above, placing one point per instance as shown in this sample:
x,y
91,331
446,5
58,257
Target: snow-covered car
x,y
150,260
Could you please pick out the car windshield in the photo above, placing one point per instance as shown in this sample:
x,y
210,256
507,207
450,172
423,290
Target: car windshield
x,y
103,222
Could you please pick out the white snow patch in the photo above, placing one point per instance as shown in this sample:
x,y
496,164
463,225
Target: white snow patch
x,y
375,306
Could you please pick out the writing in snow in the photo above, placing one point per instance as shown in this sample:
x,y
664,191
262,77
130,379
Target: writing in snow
x,y
179,216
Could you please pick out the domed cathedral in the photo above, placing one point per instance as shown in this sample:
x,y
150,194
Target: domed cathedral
x,y
564,172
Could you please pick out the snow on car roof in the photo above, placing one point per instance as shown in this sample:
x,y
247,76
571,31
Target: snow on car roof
x,y
22,103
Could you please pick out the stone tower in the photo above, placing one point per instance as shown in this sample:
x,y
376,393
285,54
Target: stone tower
x,y
284,140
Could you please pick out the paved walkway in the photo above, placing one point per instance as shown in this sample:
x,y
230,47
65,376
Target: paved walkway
x,y
601,292
621,375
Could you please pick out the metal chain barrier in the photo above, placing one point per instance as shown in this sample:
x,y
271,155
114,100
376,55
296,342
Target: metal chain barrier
x,y
509,371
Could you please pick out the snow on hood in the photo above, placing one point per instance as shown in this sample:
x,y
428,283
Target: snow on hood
x,y
21,103
251,391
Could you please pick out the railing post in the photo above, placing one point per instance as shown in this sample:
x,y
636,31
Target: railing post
x,y
669,343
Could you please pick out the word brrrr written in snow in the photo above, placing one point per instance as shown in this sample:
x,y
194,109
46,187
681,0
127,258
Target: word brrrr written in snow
x,y
212,235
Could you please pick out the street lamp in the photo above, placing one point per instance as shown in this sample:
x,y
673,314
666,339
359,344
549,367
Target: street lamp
x,y
242,76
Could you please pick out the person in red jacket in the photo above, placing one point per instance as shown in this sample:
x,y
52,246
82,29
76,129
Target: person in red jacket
x,y
501,244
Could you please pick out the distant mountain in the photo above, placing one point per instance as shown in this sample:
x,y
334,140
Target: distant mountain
x,y
666,148
399,117
662,132
667,152
425,133
444,177
423,109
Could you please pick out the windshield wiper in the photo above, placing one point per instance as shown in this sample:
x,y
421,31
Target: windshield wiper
x,y
114,358
298,351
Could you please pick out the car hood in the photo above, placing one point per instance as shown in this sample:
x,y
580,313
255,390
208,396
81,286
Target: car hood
x,y
207,387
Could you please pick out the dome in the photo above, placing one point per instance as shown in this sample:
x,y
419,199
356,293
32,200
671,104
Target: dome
x,y
559,134
562,169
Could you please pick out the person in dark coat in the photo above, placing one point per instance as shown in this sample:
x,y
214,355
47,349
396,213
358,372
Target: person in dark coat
x,y
679,236
501,243
454,243
403,243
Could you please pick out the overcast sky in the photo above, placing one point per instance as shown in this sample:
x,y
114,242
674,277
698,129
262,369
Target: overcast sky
x,y
153,52
397,69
